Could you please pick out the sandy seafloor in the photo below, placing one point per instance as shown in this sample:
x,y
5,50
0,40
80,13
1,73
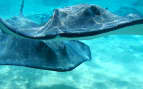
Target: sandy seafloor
x,y
117,60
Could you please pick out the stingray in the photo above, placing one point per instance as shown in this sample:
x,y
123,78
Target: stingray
x,y
58,56
51,55
50,45
73,23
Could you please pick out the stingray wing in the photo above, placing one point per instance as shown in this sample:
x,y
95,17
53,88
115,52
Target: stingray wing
x,y
48,55
23,27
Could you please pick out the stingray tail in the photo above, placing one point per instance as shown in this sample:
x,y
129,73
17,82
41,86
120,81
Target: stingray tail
x,y
21,8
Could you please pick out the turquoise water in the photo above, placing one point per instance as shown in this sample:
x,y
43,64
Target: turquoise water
x,y
116,60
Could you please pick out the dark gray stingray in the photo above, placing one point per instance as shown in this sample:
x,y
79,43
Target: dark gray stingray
x,y
74,22
48,55
20,46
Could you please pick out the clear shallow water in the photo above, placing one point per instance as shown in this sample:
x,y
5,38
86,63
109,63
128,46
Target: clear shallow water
x,y
116,60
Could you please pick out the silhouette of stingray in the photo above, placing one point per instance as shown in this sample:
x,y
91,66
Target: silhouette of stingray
x,y
53,46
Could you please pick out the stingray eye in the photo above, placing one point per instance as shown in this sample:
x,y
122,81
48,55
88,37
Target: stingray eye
x,y
91,11
95,10
87,12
